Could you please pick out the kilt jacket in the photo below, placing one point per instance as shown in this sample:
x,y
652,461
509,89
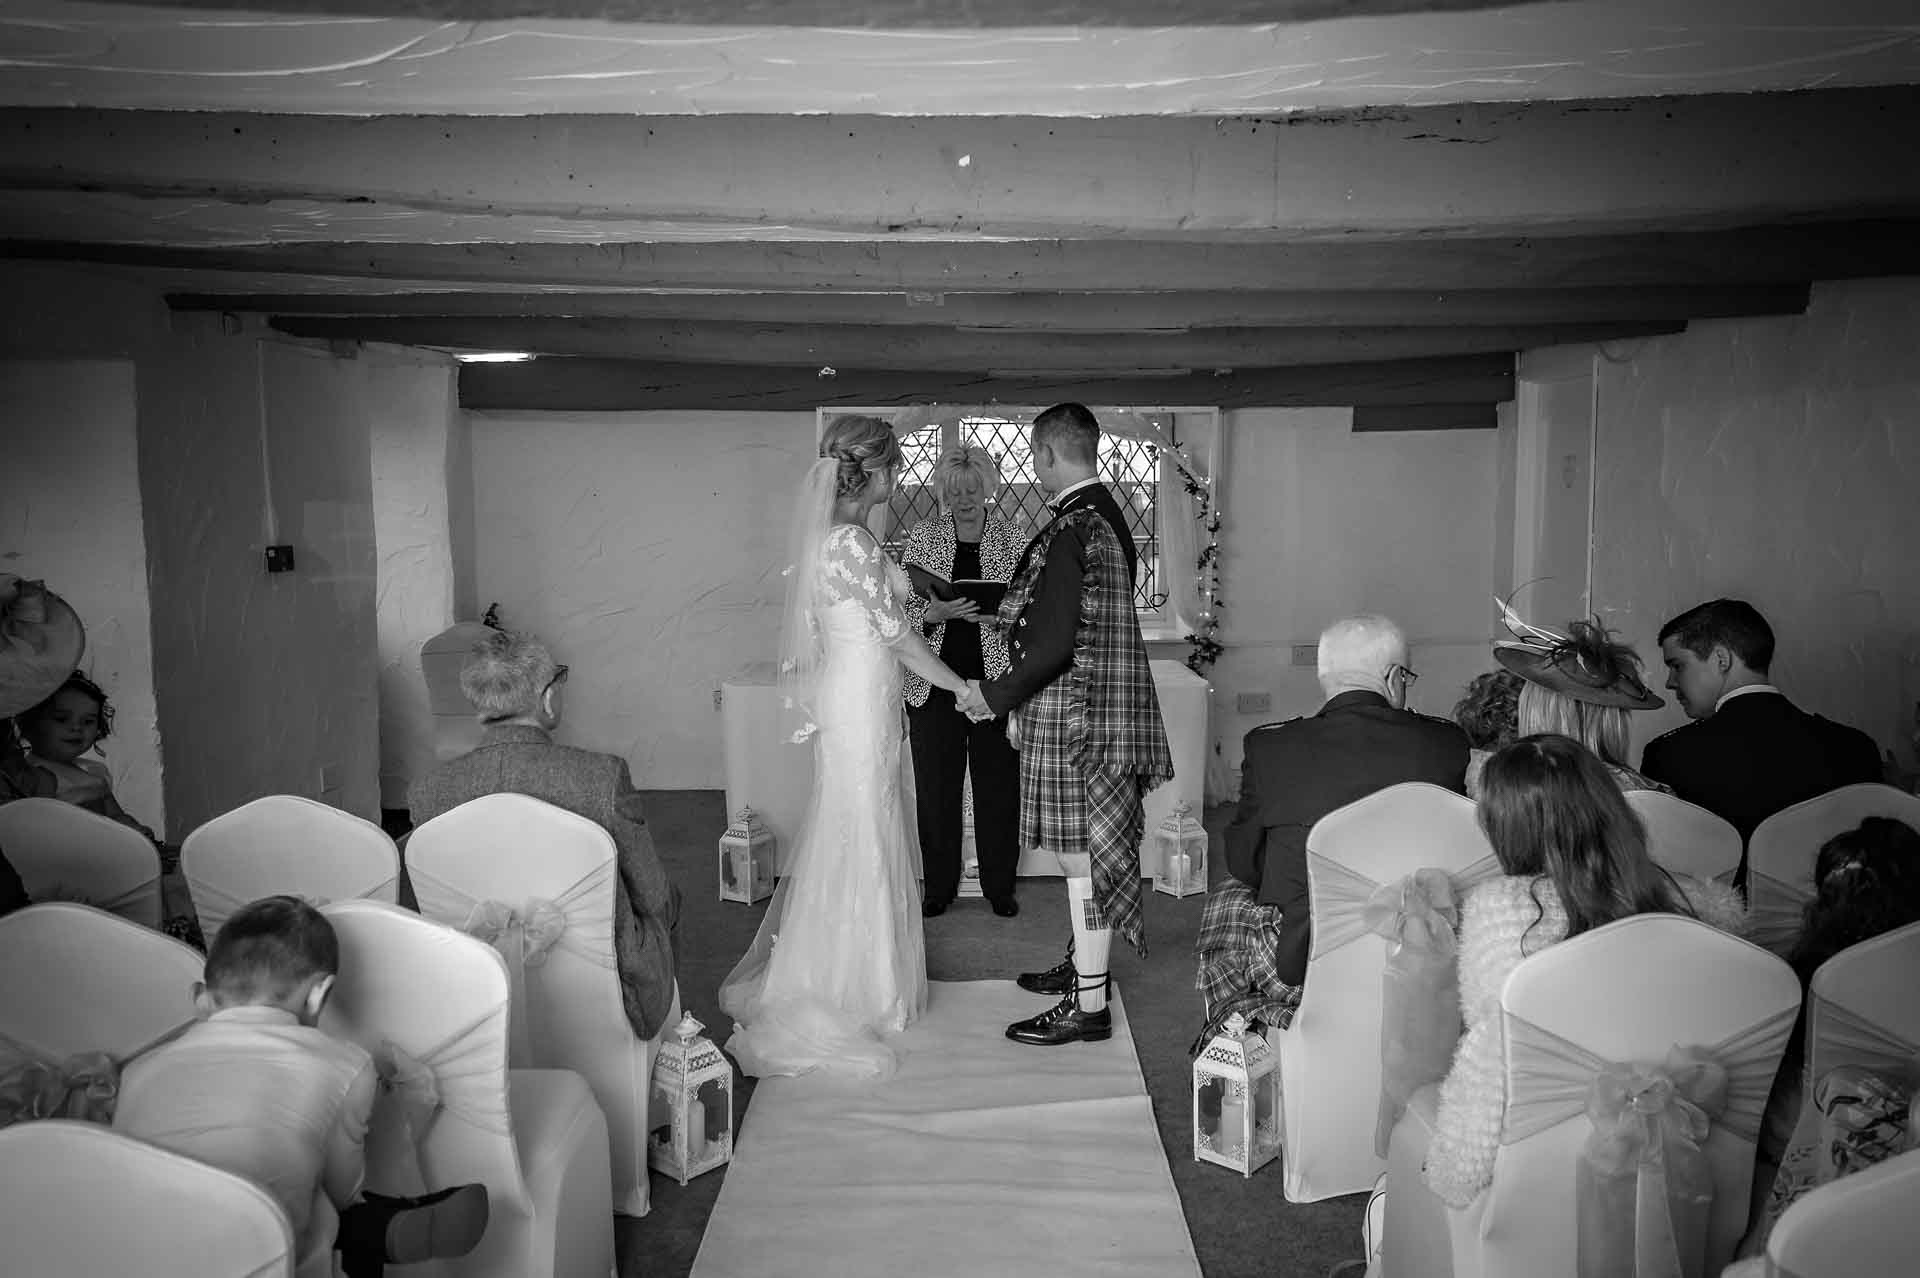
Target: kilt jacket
x,y
1069,613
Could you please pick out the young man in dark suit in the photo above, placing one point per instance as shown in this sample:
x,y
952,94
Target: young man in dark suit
x,y
1749,751
1362,740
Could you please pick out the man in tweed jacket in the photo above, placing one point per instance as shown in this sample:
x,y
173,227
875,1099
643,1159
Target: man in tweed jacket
x,y
516,687
1090,736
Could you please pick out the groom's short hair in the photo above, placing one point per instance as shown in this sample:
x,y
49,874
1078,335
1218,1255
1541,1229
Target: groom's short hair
x,y
1071,431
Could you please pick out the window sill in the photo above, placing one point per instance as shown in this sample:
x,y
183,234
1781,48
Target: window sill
x,y
1154,630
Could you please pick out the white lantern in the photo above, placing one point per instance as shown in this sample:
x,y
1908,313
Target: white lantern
x,y
1180,854
746,860
1236,1100
690,1119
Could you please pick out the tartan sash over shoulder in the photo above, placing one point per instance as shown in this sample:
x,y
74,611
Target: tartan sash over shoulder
x,y
1113,711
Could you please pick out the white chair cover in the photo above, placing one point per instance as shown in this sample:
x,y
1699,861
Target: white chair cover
x,y
1685,838
80,1199
1384,873
65,853
431,1004
285,844
1666,1035
1861,1226
1783,849
539,884
82,992
1863,1010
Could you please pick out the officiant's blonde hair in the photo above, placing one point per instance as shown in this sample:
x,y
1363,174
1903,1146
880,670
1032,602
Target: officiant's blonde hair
x,y
961,461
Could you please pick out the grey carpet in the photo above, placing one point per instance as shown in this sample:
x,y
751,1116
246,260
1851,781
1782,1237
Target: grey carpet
x,y
1241,1228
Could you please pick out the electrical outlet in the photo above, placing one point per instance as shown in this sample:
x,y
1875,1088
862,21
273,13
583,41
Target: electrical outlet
x,y
279,558
718,697
1306,654
1254,702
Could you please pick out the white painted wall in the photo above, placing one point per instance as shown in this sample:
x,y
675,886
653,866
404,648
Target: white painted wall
x,y
70,513
646,549
1775,460
1322,522
261,684
415,427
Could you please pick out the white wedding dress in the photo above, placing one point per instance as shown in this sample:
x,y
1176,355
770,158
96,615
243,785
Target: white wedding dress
x,y
840,960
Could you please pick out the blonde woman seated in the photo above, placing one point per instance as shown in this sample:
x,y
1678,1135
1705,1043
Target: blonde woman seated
x,y
968,540
1582,685
1574,858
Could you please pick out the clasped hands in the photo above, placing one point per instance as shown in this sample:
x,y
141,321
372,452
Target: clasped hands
x,y
972,703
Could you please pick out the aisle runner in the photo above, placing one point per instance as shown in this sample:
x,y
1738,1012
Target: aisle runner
x,y
981,1157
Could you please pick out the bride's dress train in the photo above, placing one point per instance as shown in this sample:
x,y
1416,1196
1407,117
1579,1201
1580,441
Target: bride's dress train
x,y
840,960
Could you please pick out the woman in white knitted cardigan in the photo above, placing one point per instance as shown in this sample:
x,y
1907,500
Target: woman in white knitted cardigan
x,y
1575,858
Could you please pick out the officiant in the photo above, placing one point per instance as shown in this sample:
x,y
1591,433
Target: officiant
x,y
969,541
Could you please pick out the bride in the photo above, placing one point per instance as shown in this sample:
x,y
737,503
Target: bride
x,y
839,960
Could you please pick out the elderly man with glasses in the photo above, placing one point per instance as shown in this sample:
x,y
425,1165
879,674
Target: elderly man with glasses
x,y
517,689
1254,935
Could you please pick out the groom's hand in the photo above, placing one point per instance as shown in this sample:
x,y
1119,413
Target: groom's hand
x,y
972,703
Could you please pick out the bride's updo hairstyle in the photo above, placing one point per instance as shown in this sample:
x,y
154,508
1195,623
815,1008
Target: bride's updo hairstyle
x,y
864,447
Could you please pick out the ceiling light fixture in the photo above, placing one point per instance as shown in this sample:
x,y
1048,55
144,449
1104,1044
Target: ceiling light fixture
x,y
493,357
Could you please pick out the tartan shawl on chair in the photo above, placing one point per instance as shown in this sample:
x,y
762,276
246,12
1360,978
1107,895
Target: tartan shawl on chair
x,y
1113,712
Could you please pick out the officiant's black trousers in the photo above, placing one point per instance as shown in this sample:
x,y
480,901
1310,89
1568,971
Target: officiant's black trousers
x,y
944,742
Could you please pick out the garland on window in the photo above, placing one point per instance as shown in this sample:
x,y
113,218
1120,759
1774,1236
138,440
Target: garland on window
x,y
1206,636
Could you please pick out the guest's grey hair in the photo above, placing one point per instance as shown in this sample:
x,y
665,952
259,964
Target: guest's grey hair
x,y
1358,651
506,673
961,461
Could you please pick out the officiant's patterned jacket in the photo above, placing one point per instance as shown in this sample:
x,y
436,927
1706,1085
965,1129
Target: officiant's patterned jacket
x,y
931,546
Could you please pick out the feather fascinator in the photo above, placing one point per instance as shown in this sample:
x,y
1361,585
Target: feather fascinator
x,y
1585,663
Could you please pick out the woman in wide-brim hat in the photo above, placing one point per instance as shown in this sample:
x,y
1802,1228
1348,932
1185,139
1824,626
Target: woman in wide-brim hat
x,y
41,642
1582,685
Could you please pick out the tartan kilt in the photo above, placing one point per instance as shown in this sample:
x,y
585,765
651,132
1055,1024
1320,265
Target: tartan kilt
x,y
1237,952
1053,790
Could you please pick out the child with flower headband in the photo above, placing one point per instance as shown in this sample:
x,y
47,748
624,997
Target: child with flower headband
x,y
59,733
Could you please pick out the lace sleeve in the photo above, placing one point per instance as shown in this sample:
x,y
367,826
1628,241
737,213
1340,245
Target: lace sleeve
x,y
855,569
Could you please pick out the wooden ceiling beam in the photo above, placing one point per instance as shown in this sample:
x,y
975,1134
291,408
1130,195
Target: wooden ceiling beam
x,y
1538,167
1789,254
856,14
1369,418
1054,312
936,349
595,385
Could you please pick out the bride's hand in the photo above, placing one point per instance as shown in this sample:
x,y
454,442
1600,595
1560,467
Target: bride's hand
x,y
1013,728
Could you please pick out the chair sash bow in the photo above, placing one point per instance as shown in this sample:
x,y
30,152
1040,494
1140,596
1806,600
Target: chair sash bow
x,y
1644,1183
1774,910
409,1086
84,1086
1419,988
524,936
1418,915
578,920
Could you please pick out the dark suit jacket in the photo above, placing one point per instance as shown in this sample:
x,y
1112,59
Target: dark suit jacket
x,y
1757,754
515,758
1296,772
1041,645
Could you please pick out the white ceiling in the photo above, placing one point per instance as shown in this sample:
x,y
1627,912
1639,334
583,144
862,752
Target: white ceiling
x,y
56,54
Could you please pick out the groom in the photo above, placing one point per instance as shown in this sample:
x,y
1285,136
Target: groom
x,y
1091,741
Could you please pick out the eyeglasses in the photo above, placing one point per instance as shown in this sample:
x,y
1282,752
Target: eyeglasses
x,y
559,677
1406,676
